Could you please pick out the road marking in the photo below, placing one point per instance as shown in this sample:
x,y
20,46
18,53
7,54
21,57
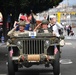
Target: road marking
x,y
66,61
68,43
68,37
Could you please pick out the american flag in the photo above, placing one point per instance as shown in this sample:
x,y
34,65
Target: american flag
x,y
11,52
55,49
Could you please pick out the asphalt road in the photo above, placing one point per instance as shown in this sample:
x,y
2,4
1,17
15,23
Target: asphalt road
x,y
68,62
69,53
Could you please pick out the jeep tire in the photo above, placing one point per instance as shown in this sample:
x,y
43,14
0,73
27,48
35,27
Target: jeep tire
x,y
11,70
56,64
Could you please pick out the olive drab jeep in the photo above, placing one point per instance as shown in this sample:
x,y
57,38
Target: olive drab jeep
x,y
33,49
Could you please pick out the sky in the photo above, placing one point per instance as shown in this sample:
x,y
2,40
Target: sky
x,y
70,2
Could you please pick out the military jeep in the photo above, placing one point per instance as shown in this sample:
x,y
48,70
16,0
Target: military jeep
x,y
33,49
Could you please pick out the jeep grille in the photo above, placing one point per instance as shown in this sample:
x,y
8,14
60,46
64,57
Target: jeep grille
x,y
33,46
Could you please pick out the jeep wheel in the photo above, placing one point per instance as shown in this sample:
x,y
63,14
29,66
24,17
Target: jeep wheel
x,y
10,65
56,64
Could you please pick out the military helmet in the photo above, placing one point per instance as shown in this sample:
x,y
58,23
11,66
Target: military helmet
x,y
22,23
45,22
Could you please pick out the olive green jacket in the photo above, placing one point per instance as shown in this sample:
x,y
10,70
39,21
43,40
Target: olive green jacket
x,y
13,32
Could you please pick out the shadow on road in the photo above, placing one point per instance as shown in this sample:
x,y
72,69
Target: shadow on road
x,y
33,71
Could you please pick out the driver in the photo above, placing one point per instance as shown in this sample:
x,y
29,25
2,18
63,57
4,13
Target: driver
x,y
21,26
44,27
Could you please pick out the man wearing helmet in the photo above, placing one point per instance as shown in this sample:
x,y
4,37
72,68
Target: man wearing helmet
x,y
21,26
43,27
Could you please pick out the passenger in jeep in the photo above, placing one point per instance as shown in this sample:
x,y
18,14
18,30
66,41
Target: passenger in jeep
x,y
14,32
43,27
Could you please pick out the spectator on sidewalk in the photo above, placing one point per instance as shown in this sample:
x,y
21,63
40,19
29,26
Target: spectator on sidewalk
x,y
68,30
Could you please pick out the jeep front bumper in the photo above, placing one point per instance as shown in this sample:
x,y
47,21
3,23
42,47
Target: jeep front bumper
x,y
33,58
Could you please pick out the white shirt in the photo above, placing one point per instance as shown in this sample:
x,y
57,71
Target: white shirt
x,y
55,28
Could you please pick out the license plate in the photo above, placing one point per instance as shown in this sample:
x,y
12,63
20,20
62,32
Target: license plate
x,y
32,34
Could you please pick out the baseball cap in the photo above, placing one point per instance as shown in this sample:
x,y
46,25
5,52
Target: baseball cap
x,y
22,17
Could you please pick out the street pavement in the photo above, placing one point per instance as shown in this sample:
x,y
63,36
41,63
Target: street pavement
x,y
2,44
69,55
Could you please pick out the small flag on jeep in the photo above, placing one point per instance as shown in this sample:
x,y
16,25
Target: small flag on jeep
x,y
11,52
55,49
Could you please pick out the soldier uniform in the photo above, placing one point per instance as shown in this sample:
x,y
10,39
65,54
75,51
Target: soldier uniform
x,y
13,32
43,30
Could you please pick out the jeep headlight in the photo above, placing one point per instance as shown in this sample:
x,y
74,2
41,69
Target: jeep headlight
x,y
47,42
19,43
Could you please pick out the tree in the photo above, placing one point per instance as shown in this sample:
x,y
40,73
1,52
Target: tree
x,y
27,5
37,5
17,6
